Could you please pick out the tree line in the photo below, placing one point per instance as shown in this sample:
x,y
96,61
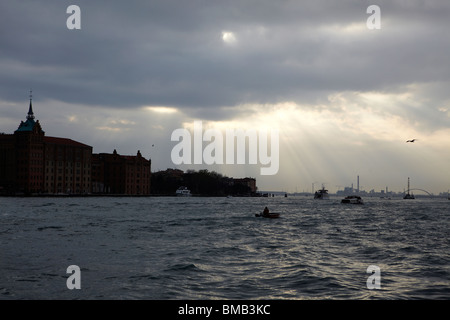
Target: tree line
x,y
202,183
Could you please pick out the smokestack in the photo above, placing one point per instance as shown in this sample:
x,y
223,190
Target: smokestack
x,y
357,186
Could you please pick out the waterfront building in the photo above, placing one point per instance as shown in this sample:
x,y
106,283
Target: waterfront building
x,y
113,173
33,163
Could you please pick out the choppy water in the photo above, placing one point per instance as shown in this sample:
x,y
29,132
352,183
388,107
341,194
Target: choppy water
x,y
215,248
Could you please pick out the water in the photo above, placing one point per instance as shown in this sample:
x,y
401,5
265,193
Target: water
x,y
215,248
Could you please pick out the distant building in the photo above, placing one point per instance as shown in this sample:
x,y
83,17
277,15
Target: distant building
x,y
7,163
67,166
32,163
248,182
113,173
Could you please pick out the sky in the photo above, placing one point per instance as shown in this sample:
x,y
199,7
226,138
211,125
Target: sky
x,y
343,97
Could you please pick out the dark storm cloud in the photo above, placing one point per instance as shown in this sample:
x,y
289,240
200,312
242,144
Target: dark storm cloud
x,y
133,53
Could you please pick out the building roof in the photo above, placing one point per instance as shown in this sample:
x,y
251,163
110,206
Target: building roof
x,y
27,125
65,141
119,157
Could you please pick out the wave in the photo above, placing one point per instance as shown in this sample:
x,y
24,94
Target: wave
x,y
50,227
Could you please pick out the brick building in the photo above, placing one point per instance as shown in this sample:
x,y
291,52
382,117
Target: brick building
x,y
121,174
32,163
67,166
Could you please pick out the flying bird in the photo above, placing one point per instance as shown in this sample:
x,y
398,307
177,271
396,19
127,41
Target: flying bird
x,y
412,140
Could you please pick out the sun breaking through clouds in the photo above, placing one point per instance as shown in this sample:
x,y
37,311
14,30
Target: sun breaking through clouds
x,y
228,37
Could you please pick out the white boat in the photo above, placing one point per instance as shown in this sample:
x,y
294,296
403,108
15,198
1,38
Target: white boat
x,y
352,200
183,192
321,194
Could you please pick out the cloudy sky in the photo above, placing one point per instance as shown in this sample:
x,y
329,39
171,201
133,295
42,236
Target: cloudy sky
x,y
344,98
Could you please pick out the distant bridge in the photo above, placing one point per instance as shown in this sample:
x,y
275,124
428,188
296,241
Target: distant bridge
x,y
422,190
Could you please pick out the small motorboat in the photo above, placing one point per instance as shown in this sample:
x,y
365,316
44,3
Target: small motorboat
x,y
271,215
352,200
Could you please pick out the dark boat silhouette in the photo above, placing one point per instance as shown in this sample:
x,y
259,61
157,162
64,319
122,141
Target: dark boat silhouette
x,y
321,194
272,215
352,200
